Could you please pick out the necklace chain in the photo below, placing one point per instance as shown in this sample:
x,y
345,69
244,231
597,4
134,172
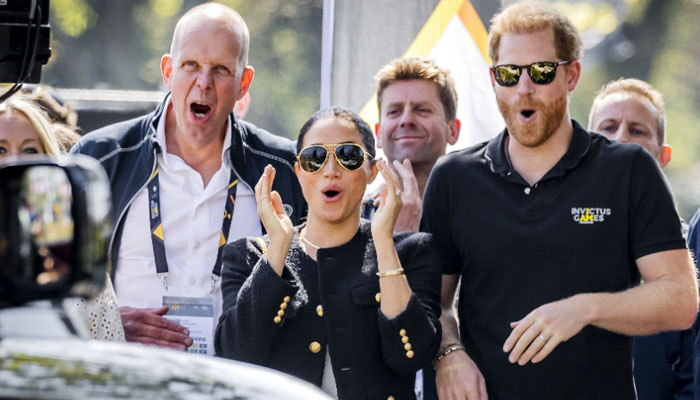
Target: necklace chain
x,y
303,238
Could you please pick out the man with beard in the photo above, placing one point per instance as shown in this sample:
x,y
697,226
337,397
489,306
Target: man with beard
x,y
549,228
182,179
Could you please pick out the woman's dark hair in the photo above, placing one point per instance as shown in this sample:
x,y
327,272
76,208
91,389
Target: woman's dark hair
x,y
342,114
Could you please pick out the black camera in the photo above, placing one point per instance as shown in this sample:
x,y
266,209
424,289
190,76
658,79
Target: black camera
x,y
25,36
55,220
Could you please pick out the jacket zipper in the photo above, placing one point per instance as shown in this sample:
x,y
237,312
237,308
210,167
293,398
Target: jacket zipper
x,y
121,216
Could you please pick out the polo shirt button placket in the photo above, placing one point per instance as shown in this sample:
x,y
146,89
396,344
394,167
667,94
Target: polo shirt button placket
x,y
527,190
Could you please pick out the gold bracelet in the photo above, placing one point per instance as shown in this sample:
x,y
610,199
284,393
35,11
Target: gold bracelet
x,y
391,272
445,351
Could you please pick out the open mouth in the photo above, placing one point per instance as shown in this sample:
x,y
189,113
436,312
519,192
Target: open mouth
x,y
200,110
331,194
527,113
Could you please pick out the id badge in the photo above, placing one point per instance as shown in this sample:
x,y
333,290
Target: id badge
x,y
197,315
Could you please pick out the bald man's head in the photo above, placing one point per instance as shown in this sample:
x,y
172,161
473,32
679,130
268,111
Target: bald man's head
x,y
214,13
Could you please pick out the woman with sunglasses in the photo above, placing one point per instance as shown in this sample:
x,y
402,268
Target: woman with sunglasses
x,y
339,302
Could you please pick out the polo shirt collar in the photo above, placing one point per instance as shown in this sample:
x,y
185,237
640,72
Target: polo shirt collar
x,y
499,162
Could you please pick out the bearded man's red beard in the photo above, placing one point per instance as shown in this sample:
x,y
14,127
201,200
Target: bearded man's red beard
x,y
533,134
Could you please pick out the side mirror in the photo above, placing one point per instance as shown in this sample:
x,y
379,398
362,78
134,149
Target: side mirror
x,y
55,221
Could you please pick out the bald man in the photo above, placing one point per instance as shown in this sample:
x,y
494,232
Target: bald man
x,y
182,179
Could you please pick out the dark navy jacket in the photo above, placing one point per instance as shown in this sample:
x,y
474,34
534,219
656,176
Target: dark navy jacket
x,y
127,151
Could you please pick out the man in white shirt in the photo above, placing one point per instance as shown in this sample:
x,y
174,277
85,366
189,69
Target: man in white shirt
x,y
182,181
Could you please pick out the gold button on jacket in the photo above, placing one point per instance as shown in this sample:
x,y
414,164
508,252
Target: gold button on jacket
x,y
315,347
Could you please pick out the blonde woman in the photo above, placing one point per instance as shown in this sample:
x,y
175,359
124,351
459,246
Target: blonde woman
x,y
25,129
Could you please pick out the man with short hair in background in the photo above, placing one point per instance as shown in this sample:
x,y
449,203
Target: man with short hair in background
x,y
632,111
417,103
547,230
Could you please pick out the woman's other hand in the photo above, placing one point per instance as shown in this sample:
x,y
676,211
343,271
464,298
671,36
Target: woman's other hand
x,y
276,222
390,202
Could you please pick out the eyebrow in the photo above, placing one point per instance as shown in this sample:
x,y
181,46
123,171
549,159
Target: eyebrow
x,y
411,103
631,123
332,144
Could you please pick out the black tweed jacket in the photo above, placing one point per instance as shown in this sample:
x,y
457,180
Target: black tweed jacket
x,y
289,322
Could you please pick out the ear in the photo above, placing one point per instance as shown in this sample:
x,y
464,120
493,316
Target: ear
x,y
246,80
166,69
240,109
296,169
455,125
665,155
373,171
573,74
493,81
377,134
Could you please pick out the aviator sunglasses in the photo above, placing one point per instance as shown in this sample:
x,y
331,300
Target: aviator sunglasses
x,y
541,72
350,156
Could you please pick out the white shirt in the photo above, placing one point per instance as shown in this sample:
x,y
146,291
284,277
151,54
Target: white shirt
x,y
192,216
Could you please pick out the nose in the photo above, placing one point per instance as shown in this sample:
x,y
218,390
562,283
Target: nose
x,y
406,118
622,133
525,84
332,168
205,78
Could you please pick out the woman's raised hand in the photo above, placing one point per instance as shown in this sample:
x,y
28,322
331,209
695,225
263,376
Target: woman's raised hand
x,y
276,222
390,202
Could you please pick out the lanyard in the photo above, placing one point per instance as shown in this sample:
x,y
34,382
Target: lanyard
x,y
157,229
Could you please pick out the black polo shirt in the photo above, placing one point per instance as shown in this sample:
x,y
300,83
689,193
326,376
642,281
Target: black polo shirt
x,y
578,230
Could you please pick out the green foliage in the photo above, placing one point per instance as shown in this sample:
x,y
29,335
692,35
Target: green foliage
x,y
73,17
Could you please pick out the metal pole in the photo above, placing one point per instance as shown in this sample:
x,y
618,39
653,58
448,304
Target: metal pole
x,y
327,53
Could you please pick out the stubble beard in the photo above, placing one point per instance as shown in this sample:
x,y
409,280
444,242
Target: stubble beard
x,y
425,153
535,133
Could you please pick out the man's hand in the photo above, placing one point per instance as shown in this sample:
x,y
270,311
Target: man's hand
x,y
458,378
147,326
536,335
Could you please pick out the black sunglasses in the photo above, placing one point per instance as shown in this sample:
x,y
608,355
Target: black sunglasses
x,y
350,156
541,72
